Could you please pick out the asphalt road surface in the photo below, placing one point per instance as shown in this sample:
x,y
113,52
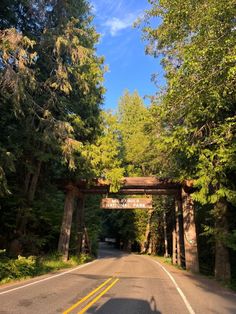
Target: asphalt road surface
x,y
118,283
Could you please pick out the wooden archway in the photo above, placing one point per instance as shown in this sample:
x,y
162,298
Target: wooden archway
x,y
185,251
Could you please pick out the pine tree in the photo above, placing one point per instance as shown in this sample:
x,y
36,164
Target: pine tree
x,y
50,91
195,116
133,116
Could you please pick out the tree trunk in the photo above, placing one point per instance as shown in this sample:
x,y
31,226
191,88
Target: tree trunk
x,y
178,253
154,243
88,244
80,225
27,182
34,181
165,234
190,236
222,260
64,241
31,181
174,247
146,244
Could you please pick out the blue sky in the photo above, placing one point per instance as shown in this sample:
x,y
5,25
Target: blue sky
x,y
124,50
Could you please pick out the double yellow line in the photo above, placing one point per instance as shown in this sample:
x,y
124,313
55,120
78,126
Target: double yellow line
x,y
114,281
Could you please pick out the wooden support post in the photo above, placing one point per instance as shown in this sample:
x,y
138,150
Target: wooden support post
x,y
190,236
80,224
64,240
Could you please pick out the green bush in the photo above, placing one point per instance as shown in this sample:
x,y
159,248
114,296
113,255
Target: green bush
x,y
83,258
17,268
23,267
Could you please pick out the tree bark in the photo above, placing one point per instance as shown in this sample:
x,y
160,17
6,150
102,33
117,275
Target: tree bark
x,y
165,234
64,240
154,243
190,236
34,182
222,259
179,232
80,224
145,245
87,240
174,248
31,182
26,183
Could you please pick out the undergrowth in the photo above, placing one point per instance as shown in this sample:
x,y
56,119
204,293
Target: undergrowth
x,y
27,267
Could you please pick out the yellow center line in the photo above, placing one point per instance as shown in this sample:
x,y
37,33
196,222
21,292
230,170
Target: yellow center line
x,y
87,296
98,297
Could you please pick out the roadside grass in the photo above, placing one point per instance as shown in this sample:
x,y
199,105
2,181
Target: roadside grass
x,y
28,267
167,260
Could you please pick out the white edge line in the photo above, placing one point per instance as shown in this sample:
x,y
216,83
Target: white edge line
x,y
48,278
186,302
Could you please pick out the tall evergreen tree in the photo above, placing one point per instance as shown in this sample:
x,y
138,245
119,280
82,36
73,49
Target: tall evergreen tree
x,y
50,92
133,115
195,116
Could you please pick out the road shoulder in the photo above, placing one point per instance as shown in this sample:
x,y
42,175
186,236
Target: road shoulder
x,y
206,295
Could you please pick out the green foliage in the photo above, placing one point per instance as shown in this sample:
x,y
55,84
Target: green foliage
x,y
140,223
15,269
51,82
82,259
93,221
104,153
51,89
26,267
194,117
132,118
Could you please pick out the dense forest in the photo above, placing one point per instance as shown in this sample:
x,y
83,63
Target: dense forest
x,y
53,129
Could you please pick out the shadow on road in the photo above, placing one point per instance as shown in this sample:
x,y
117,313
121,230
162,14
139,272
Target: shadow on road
x,y
124,306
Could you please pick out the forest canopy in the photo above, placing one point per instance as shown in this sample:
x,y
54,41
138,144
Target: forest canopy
x,y
54,131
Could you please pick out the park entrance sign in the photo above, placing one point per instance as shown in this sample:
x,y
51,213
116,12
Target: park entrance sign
x,y
184,237
126,203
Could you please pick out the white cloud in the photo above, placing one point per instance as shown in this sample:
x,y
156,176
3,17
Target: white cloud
x,y
115,24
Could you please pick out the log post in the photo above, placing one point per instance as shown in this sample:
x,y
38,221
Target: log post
x,y
190,236
64,240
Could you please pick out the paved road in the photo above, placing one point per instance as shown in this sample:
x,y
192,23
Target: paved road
x,y
118,283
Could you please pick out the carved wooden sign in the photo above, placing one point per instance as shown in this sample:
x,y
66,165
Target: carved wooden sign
x,y
126,203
